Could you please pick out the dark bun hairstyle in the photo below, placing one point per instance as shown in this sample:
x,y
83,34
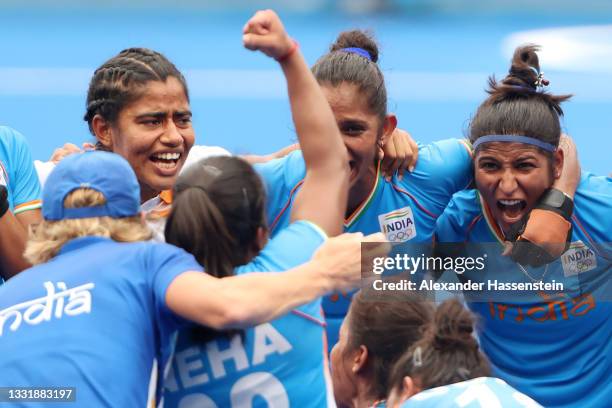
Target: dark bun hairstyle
x,y
447,353
358,39
338,66
516,105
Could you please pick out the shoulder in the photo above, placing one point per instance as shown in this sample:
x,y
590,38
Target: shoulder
x,y
443,168
291,166
461,211
11,143
10,135
444,156
593,205
290,247
162,249
498,393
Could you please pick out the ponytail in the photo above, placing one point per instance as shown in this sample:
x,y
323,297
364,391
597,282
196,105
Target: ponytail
x,y
218,207
217,210
197,225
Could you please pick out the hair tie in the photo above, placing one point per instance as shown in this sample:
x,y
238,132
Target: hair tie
x,y
540,80
520,87
417,357
357,50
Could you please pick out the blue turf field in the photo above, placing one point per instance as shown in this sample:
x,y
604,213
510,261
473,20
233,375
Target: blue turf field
x,y
436,67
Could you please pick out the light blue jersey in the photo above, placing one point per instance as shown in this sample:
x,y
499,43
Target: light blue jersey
x,y
483,392
17,172
405,210
277,364
554,345
94,318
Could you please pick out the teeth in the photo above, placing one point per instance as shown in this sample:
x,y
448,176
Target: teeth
x,y
509,202
167,156
165,165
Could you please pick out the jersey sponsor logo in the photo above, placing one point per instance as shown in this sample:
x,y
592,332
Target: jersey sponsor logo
x,y
3,175
398,225
577,259
71,302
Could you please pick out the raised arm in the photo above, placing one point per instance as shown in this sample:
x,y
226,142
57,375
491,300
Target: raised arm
x,y
323,196
253,298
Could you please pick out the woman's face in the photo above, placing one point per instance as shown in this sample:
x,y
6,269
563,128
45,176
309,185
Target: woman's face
x,y
343,377
154,134
360,128
511,177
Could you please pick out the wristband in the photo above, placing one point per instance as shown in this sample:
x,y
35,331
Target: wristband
x,y
290,52
556,201
4,204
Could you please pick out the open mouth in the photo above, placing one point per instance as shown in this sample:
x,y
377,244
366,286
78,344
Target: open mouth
x,y
512,209
166,160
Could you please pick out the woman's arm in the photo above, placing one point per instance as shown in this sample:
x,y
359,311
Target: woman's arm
x,y
254,298
13,236
326,159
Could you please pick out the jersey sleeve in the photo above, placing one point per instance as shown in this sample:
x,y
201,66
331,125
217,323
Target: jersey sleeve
x,y
291,247
442,169
593,206
24,180
280,177
164,263
452,225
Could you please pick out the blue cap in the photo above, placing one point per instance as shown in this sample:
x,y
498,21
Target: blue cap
x,y
107,173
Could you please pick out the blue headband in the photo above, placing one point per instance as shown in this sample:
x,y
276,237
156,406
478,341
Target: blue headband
x,y
357,50
514,139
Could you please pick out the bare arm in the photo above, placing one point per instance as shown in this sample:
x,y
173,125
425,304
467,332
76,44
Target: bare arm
x,y
254,159
398,154
13,236
254,298
324,153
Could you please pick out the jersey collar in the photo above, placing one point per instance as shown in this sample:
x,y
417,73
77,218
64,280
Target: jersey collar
x,y
348,222
81,242
491,223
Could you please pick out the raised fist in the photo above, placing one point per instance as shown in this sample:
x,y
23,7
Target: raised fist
x,y
265,32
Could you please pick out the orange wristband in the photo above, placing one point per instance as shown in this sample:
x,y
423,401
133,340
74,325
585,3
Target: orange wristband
x,y
289,53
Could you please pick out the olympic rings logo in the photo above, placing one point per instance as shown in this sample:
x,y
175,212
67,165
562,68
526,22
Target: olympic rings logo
x,y
400,235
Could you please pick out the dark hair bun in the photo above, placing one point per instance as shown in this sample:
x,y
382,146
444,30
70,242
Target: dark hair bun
x,y
524,68
453,327
358,39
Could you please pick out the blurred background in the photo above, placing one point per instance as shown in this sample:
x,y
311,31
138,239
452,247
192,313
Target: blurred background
x,y
436,56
